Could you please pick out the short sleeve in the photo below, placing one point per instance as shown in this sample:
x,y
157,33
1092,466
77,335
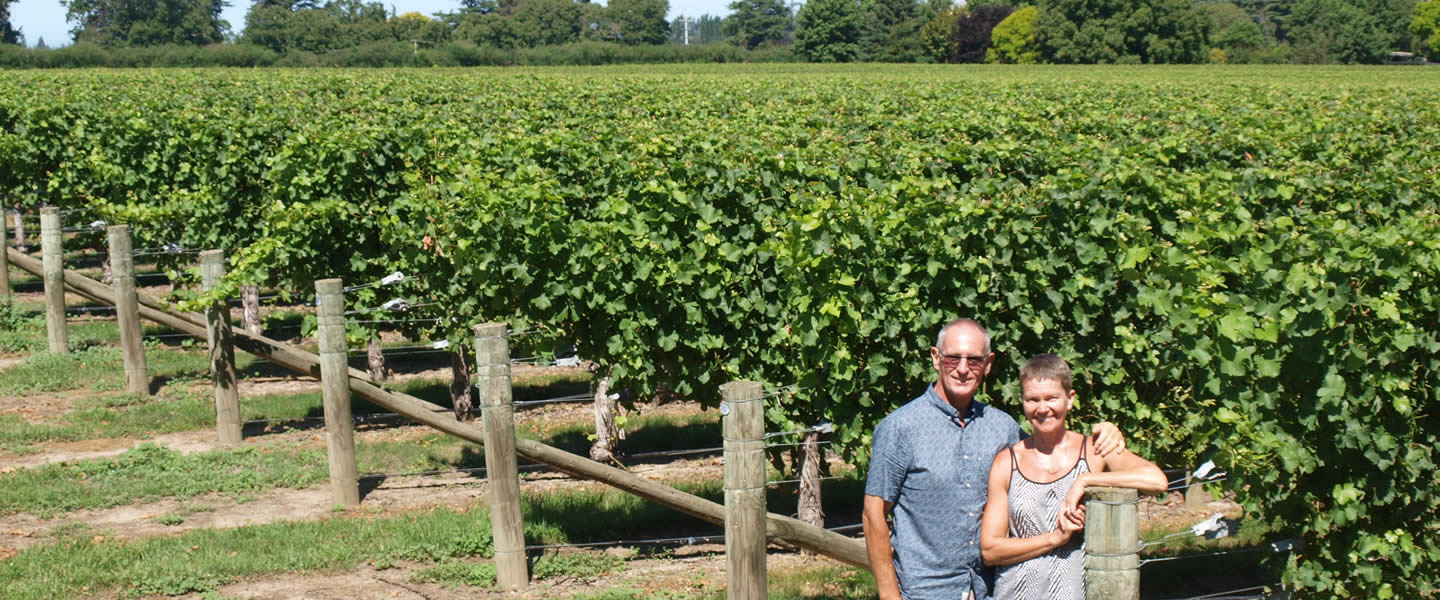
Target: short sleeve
x,y
889,462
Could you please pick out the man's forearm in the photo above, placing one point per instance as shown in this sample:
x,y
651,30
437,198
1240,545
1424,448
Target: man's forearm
x,y
877,546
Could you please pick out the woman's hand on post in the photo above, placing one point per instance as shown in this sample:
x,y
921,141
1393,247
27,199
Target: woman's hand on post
x,y
1068,523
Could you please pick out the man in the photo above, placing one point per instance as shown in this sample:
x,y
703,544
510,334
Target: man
x,y
928,471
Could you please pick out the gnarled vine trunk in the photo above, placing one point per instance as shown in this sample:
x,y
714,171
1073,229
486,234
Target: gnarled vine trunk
x,y
460,396
607,434
250,308
375,360
810,510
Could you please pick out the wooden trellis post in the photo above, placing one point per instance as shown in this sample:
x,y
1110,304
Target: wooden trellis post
x,y
335,389
1112,544
492,368
52,254
127,310
222,351
743,425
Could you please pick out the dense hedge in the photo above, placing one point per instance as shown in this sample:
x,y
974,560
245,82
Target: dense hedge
x,y
380,54
1247,271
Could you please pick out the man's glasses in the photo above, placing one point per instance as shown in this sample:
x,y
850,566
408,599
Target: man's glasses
x,y
949,362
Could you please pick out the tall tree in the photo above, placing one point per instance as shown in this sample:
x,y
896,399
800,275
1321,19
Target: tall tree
x,y
972,31
890,30
1349,31
756,22
828,31
8,34
126,23
1426,27
1012,41
640,21
1120,31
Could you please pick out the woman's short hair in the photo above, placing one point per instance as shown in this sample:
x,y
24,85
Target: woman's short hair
x,y
1047,366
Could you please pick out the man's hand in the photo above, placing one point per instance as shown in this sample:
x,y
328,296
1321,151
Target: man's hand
x,y
1106,439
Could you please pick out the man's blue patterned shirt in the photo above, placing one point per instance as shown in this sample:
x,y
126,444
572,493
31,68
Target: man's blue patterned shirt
x,y
936,471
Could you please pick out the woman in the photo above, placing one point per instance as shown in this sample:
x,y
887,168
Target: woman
x,y
1034,509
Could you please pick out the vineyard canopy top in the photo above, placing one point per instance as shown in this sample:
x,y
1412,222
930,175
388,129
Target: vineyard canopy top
x,y
1244,260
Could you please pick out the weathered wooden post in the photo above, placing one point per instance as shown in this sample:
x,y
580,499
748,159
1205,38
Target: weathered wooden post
x,y
222,351
1112,544
53,257
335,389
127,310
743,427
492,368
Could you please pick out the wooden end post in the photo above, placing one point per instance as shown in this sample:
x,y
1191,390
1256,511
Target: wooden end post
x,y
127,310
492,367
335,390
52,254
1112,544
222,351
743,414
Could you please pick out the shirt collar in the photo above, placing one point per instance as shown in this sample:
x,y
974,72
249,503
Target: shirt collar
x,y
976,408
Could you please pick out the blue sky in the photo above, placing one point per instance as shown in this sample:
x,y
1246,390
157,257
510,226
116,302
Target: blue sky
x,y
46,18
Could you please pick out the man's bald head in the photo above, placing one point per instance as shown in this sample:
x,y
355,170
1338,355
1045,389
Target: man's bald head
x,y
962,322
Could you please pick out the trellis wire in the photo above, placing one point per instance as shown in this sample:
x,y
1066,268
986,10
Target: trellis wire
x,y
382,308
782,481
1230,594
791,444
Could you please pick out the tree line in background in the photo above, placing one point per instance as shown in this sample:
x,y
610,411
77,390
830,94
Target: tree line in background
x,y
355,32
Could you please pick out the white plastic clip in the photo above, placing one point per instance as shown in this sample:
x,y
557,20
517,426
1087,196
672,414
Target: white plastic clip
x,y
97,225
395,304
441,345
569,361
393,278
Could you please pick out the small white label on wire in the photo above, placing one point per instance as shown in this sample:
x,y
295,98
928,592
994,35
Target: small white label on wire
x,y
825,427
97,225
441,345
1208,525
569,361
392,278
1204,469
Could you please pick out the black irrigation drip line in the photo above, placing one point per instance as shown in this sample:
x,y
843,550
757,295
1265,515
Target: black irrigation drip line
x,y
686,541
1146,561
89,309
570,398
